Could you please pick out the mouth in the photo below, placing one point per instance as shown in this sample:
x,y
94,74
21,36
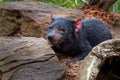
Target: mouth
x,y
53,42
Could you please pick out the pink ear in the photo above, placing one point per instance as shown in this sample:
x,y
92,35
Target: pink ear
x,y
78,25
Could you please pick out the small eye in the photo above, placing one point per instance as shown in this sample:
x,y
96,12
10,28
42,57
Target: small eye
x,y
62,30
50,27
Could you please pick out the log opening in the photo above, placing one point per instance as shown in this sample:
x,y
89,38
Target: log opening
x,y
110,70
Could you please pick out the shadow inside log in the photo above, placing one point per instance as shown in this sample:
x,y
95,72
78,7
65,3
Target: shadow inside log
x,y
110,70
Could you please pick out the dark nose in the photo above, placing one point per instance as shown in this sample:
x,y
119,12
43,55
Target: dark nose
x,y
50,37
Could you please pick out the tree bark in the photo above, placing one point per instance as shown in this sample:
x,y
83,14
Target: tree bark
x,y
102,4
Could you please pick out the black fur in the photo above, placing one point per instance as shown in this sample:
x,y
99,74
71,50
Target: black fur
x,y
77,44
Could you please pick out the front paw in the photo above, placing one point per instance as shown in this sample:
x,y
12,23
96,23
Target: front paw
x,y
69,63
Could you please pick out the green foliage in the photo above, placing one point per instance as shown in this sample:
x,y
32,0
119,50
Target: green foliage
x,y
64,3
116,6
71,3
8,0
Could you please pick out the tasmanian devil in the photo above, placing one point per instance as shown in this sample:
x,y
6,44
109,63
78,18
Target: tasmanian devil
x,y
76,38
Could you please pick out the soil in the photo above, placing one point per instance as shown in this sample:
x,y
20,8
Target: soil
x,y
72,71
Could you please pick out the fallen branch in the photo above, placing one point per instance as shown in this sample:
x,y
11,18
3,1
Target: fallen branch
x,y
84,1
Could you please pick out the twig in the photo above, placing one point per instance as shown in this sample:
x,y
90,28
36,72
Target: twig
x,y
84,1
